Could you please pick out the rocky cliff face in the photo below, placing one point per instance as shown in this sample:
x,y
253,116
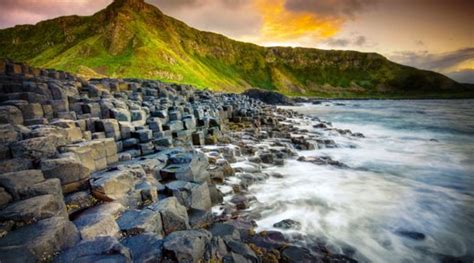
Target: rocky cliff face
x,y
133,39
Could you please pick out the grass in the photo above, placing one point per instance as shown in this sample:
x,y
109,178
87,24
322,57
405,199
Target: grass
x,y
122,41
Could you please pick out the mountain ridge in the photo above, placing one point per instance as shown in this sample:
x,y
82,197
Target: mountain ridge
x,y
133,39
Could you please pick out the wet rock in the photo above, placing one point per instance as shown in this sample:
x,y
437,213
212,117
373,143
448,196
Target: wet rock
x,y
134,222
173,215
187,246
200,218
240,201
242,249
101,249
287,224
145,247
225,231
269,97
217,196
298,254
411,235
323,160
42,239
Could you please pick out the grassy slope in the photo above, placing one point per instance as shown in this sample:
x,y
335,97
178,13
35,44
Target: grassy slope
x,y
141,42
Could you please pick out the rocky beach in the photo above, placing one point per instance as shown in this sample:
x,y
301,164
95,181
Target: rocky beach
x,y
127,170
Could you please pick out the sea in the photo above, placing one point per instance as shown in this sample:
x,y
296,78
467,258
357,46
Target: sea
x,y
407,194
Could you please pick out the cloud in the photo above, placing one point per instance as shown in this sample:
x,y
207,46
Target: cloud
x,y
443,62
463,76
458,64
357,41
175,4
330,8
281,25
13,12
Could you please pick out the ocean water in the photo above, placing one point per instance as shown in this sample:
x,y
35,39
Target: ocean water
x,y
408,194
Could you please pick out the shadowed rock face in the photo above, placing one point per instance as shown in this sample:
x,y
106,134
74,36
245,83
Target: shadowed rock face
x,y
128,170
269,97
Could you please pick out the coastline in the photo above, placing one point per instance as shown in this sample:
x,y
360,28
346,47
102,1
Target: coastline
x,y
131,169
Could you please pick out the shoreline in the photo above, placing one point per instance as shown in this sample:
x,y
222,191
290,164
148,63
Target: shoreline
x,y
130,170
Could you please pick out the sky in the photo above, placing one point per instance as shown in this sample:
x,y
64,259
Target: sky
x,y
429,34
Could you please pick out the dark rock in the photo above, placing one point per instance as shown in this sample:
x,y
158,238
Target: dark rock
x,y
323,160
269,97
173,215
242,249
411,235
187,246
288,224
134,222
297,255
101,249
225,231
43,238
34,209
145,248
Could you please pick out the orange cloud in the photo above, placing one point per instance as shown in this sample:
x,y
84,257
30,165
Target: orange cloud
x,y
282,25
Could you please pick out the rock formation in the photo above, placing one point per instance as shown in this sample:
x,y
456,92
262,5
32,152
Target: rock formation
x,y
128,170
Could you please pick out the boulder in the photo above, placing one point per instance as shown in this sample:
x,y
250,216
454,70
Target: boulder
x,y
38,148
42,239
225,231
242,249
173,215
187,246
191,195
287,224
34,209
79,201
93,224
110,127
101,249
269,97
113,185
16,182
32,111
68,168
145,247
5,197
134,222
187,167
122,115
10,114
50,186
15,165
200,218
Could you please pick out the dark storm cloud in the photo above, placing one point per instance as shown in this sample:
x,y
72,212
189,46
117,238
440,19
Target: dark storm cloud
x,y
439,62
330,8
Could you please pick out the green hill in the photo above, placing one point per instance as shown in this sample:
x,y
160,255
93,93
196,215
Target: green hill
x,y
133,39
